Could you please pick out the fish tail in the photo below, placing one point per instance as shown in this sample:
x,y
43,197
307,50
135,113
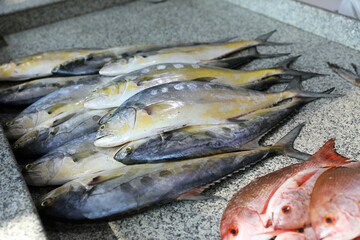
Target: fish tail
x,y
345,73
263,40
285,145
285,66
295,87
235,62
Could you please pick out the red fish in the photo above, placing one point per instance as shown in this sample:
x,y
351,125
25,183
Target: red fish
x,y
244,216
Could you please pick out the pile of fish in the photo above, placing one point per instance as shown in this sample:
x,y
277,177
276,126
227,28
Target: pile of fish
x,y
315,199
125,128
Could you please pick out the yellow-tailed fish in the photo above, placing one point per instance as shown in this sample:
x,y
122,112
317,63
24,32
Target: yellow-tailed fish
x,y
171,106
185,54
77,158
39,65
120,88
204,140
92,63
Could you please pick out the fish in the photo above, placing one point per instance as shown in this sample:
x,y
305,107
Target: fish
x,y
185,54
93,62
120,88
120,192
244,216
31,91
346,74
203,140
289,206
39,65
53,108
46,139
334,204
75,159
291,236
171,106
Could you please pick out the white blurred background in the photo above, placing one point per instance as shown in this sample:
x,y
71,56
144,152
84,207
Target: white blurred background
x,y
347,7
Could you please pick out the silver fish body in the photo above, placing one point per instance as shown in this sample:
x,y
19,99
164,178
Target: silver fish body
x,y
77,158
31,91
122,191
44,140
53,108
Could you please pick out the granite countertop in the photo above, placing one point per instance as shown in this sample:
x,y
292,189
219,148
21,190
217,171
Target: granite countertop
x,y
187,21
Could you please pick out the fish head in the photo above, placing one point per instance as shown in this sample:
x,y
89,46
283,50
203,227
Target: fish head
x,y
62,201
126,151
101,96
288,210
111,133
336,218
244,223
43,170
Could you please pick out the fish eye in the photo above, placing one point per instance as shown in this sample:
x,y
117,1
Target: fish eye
x,y
329,220
128,149
102,127
234,231
47,202
28,166
286,209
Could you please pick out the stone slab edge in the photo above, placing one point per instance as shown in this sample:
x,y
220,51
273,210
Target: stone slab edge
x,y
329,25
18,216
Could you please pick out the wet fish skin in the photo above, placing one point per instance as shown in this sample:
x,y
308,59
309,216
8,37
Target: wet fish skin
x,y
172,106
291,236
38,65
186,54
246,208
334,205
30,91
52,108
120,88
199,141
77,158
93,62
45,140
346,74
289,206
122,191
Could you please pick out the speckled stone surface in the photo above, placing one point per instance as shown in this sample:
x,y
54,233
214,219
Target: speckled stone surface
x,y
204,20
18,217
18,15
326,24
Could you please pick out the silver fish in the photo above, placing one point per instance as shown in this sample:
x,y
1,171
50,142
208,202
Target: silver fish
x,y
121,191
75,159
44,140
31,91
52,109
